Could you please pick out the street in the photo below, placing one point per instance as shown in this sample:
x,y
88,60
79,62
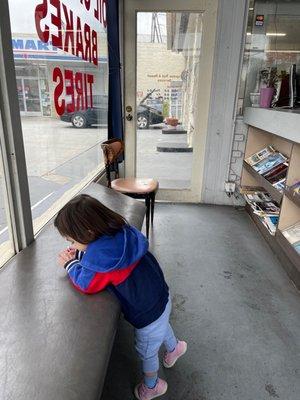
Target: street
x,y
59,156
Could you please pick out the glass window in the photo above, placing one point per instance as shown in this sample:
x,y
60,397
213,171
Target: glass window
x,y
168,59
60,53
272,54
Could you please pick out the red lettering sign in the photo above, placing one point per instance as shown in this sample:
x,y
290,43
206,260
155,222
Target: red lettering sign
x,y
81,41
78,87
41,11
58,91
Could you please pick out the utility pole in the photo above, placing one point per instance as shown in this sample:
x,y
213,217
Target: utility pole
x,y
155,29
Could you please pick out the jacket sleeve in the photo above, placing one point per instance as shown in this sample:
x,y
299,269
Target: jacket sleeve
x,y
85,280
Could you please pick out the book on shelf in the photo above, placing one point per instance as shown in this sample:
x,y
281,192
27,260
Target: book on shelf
x,y
260,155
269,163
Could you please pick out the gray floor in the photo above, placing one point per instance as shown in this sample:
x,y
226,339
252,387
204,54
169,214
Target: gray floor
x,y
232,302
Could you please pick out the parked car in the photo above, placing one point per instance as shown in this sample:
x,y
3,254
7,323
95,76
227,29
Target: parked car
x,y
156,103
149,111
92,115
147,115
97,115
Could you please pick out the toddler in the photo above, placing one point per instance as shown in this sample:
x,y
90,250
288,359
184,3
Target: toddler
x,y
107,253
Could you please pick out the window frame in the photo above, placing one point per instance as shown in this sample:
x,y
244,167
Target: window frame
x,y
12,140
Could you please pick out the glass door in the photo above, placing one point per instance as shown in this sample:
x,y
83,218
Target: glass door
x,y
32,96
29,96
168,67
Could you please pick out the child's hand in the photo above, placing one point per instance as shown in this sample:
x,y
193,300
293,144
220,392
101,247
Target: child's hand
x,y
65,256
72,251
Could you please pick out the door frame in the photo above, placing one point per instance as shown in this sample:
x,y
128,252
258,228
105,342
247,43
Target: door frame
x,y
209,9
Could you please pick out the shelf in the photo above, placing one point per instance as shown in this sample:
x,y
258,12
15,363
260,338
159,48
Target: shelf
x,y
281,128
289,249
285,252
292,264
283,123
276,195
294,197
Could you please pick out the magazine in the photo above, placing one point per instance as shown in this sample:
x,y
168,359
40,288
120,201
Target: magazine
x,y
292,233
260,155
269,163
257,197
296,188
276,171
266,209
269,207
280,185
270,223
278,176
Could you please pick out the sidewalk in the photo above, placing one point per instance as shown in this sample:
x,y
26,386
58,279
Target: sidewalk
x,y
172,170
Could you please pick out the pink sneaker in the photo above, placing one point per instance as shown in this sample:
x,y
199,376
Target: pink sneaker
x,y
170,358
142,392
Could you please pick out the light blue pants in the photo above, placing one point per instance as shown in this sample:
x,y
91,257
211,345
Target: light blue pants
x,y
149,339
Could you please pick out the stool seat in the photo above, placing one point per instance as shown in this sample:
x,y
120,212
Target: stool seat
x,y
135,185
139,188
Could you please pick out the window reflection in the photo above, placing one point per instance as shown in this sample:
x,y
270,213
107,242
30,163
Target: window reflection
x,y
62,92
272,43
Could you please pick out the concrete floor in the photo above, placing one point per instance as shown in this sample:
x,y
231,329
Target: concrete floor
x,y
232,302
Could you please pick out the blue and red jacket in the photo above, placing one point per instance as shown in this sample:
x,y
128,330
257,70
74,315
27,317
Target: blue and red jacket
x,y
123,265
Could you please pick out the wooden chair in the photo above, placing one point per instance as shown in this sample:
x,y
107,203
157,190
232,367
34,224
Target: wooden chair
x,y
137,188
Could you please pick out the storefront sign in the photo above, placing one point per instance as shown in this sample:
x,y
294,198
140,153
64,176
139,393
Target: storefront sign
x,y
58,27
23,45
31,48
163,77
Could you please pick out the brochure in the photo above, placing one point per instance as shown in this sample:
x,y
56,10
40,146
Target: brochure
x,y
269,163
260,155
280,185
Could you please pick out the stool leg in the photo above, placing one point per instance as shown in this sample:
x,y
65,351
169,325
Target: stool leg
x,y
147,202
152,206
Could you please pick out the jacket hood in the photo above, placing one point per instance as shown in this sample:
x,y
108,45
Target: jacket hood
x,y
109,253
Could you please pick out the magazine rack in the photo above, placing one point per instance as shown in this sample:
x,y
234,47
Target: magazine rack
x,y
265,127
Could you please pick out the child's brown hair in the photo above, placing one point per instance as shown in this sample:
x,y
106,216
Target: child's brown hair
x,y
85,219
